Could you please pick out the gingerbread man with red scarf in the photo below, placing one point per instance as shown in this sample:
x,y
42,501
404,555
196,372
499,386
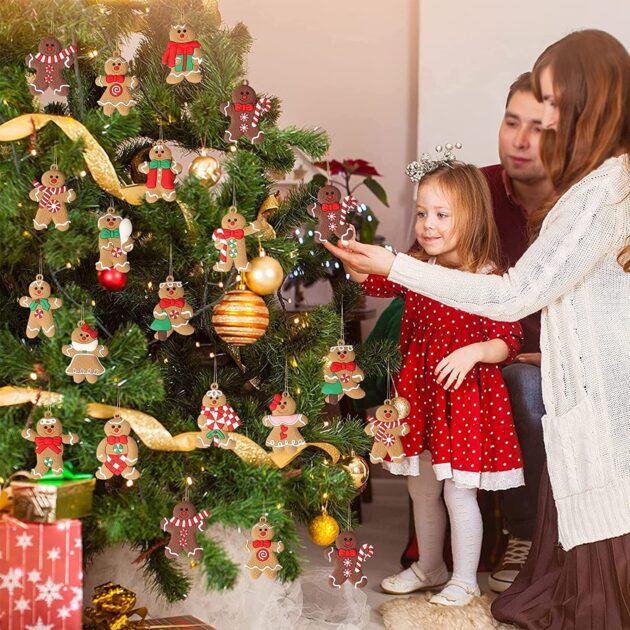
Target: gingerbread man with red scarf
x,y
49,439
117,451
183,55
229,239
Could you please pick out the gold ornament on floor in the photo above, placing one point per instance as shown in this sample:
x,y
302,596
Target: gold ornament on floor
x,y
206,169
358,469
241,317
265,274
323,529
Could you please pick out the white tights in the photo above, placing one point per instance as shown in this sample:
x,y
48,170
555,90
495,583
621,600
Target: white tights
x,y
430,518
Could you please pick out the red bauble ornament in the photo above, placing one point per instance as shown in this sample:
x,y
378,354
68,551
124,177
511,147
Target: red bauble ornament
x,y
112,279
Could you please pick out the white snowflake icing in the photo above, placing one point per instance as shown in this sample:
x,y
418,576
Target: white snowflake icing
x,y
54,553
40,625
346,572
49,591
244,117
34,576
22,604
243,128
11,580
24,540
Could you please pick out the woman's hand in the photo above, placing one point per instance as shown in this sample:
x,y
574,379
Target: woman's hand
x,y
361,258
456,365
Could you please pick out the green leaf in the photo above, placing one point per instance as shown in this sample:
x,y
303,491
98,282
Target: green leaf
x,y
377,189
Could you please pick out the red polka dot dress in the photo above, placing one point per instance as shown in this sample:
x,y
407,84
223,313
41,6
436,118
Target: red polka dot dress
x,y
469,431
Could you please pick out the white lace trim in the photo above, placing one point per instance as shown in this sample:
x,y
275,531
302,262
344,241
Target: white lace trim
x,y
501,480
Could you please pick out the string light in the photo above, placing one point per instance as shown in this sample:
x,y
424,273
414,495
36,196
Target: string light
x,y
82,173
33,152
325,496
129,483
189,481
149,285
68,265
197,344
33,376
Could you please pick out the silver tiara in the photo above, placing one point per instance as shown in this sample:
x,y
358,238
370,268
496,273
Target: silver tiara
x,y
419,168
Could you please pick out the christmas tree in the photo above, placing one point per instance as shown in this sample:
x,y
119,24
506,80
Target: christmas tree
x,y
163,377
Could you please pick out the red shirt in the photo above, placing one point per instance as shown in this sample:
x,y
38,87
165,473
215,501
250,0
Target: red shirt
x,y
511,220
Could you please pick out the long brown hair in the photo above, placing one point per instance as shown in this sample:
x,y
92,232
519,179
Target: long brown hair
x,y
467,190
591,85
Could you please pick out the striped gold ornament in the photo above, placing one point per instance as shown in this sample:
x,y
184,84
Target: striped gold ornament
x,y
241,317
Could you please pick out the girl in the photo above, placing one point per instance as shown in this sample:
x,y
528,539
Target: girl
x,y
461,434
577,271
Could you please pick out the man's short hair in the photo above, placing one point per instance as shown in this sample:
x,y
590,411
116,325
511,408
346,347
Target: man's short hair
x,y
522,84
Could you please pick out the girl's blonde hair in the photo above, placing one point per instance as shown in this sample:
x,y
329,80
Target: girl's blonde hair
x,y
478,244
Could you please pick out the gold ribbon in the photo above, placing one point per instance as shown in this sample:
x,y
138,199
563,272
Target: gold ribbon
x,y
113,607
155,436
96,159
267,209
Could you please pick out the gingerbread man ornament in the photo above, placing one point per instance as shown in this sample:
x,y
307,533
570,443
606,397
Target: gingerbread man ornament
x,y
332,213
342,376
347,558
183,527
216,419
245,112
172,312
49,63
85,352
49,439
52,195
229,239
117,451
117,96
162,171
263,559
114,242
41,305
285,424
386,429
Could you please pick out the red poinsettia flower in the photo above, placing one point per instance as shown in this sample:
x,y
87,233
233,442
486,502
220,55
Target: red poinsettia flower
x,y
349,167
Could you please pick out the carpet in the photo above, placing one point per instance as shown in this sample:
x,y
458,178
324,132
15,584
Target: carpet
x,y
415,613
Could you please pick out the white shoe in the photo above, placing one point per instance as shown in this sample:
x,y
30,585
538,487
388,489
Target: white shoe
x,y
398,585
510,564
468,593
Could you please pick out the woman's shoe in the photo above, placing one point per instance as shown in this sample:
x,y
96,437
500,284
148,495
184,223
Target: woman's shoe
x,y
403,583
456,593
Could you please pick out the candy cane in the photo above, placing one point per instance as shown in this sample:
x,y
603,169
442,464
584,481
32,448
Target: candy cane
x,y
219,235
366,551
263,105
348,203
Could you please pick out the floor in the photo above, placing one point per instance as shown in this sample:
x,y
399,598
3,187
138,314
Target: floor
x,y
385,525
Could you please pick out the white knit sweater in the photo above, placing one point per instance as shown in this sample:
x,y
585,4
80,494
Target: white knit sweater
x,y
571,273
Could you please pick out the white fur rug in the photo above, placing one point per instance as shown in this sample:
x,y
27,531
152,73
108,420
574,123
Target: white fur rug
x,y
415,613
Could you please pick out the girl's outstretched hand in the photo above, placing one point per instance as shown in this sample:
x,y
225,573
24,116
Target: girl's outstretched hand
x,y
362,258
456,365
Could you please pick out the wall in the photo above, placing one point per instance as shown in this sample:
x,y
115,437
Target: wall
x,y
470,52
351,68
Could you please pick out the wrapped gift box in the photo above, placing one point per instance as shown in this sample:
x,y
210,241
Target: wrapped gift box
x,y
53,498
40,575
191,623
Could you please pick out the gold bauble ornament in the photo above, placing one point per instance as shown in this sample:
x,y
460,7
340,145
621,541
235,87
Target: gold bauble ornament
x,y
323,529
358,469
403,407
206,169
265,275
241,317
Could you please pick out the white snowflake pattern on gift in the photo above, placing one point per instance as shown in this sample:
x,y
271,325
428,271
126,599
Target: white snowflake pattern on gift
x,y
22,604
34,576
64,612
49,591
11,580
54,554
24,540
77,597
40,625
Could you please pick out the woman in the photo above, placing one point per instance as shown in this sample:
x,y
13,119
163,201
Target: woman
x,y
577,272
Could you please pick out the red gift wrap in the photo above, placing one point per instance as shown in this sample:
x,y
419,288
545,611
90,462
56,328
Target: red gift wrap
x,y
41,579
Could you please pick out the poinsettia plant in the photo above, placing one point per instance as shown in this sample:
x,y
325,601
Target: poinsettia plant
x,y
342,174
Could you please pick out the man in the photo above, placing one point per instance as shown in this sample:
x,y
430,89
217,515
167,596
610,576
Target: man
x,y
519,186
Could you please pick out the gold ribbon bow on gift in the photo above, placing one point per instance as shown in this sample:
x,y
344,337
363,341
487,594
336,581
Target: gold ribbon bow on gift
x,y
113,606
